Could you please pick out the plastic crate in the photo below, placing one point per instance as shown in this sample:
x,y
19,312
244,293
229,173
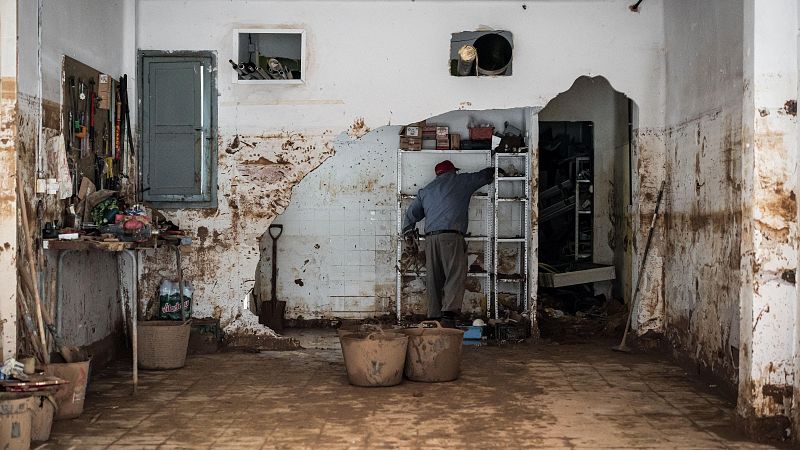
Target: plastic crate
x,y
472,332
481,133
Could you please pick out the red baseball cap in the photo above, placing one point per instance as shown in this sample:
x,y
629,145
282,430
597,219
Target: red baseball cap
x,y
445,166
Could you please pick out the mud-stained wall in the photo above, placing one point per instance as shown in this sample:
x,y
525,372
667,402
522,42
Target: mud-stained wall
x,y
256,175
704,177
68,28
768,372
8,168
358,78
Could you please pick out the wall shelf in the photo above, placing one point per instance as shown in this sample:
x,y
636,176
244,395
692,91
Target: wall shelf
x,y
259,45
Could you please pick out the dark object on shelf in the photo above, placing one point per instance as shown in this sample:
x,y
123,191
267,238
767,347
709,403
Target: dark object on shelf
x,y
469,144
50,231
510,143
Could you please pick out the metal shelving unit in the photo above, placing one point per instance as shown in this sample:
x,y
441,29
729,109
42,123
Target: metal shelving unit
x,y
522,238
486,239
583,214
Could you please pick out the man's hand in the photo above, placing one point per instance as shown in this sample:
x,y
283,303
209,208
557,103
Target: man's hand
x,y
501,171
410,234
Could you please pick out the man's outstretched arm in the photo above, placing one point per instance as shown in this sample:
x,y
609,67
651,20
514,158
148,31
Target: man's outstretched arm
x,y
413,214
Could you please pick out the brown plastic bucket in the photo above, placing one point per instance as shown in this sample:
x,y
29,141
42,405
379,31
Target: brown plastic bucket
x,y
163,344
42,413
15,421
375,358
70,396
434,354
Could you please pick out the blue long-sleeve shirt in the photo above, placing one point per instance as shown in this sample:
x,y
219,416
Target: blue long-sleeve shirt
x,y
444,202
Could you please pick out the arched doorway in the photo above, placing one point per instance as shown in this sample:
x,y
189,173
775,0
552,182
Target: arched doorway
x,y
584,225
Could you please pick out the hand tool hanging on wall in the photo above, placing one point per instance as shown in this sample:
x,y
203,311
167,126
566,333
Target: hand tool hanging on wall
x,y
92,109
622,347
117,123
83,133
126,112
73,109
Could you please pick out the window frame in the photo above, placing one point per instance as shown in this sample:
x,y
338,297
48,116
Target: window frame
x,y
293,31
210,149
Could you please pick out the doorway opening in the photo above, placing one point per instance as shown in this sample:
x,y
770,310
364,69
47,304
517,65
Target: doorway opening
x,y
584,227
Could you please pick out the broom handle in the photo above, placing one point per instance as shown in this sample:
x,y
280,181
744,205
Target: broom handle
x,y
32,270
644,258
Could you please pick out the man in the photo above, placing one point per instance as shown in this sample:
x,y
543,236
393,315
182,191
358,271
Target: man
x,y
444,204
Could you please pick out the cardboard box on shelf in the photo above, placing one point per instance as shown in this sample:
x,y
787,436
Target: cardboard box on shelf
x,y
410,143
455,141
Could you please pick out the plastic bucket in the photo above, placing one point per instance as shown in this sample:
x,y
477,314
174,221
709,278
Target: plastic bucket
x,y
42,413
70,396
375,358
15,421
434,354
162,344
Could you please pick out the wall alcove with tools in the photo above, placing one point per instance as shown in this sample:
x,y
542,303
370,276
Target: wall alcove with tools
x,y
584,196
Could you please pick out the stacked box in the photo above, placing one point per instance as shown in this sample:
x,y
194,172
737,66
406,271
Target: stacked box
x,y
442,138
410,143
411,138
455,141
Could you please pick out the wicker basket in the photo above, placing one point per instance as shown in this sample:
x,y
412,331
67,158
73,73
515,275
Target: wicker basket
x,y
162,344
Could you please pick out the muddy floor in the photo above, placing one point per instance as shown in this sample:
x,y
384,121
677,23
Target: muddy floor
x,y
548,396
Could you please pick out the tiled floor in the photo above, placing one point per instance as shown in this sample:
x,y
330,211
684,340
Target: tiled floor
x,y
548,396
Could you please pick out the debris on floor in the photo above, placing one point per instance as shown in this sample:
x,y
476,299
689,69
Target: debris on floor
x,y
245,332
526,397
575,314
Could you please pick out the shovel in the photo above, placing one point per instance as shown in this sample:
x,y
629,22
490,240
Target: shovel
x,y
272,311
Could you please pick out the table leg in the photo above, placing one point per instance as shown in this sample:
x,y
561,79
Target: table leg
x,y
134,308
180,280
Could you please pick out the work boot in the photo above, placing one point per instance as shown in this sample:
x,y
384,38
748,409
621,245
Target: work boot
x,y
448,319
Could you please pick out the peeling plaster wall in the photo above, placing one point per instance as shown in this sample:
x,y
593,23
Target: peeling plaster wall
x,y
594,99
8,168
93,33
769,336
336,254
336,257
703,217
365,70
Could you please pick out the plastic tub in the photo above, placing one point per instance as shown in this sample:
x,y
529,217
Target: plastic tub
x,y
434,354
42,413
70,396
375,358
15,421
